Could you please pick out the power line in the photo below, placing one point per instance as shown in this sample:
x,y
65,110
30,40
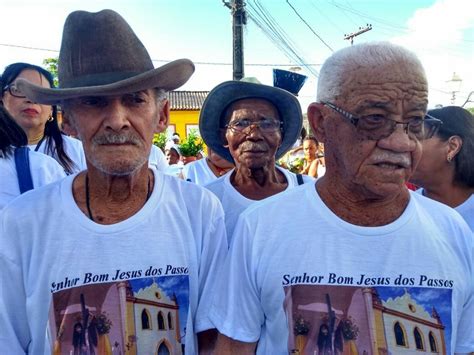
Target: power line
x,y
314,32
25,47
277,35
170,60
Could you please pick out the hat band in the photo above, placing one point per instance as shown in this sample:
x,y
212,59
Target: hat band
x,y
96,79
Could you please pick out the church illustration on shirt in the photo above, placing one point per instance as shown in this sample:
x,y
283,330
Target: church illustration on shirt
x,y
374,320
140,316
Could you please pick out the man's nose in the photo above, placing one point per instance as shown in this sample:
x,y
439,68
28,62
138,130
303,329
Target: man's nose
x,y
116,116
399,140
253,131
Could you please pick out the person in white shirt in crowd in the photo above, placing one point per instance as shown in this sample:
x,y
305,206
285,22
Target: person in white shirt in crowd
x,y
173,159
205,170
43,169
39,121
355,253
119,238
446,169
157,159
251,125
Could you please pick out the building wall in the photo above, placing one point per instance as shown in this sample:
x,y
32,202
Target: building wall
x,y
409,327
148,344
183,120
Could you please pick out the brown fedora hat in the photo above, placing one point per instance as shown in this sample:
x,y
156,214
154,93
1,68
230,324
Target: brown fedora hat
x,y
101,55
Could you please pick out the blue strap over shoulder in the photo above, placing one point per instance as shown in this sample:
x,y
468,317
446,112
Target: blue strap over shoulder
x,y
22,163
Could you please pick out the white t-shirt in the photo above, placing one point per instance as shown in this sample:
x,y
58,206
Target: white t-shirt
x,y
235,203
44,170
465,209
157,159
199,172
285,270
150,275
73,149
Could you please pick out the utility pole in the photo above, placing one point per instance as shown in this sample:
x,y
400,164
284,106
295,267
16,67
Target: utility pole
x,y
239,19
359,32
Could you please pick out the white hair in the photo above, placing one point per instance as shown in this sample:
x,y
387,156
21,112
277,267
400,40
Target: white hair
x,y
161,94
366,55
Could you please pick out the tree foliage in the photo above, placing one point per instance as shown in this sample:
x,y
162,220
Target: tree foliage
x,y
51,65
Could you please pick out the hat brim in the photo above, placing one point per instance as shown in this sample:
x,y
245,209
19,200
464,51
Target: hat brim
x,y
168,77
228,92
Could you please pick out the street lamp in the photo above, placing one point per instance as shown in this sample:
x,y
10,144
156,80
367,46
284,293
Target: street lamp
x,y
454,86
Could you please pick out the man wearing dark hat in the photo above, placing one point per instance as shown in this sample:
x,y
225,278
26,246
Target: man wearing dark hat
x,y
251,125
381,269
141,248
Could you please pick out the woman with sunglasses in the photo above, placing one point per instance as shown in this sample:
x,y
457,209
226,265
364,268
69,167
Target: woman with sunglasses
x,y
446,169
39,121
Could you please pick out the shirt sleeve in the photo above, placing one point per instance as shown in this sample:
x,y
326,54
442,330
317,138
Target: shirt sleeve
x,y
237,311
465,329
213,251
14,334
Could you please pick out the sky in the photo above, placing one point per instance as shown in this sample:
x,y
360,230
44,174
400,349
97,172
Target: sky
x,y
440,32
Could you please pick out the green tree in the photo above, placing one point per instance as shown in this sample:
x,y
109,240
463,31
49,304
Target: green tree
x,y
470,109
51,65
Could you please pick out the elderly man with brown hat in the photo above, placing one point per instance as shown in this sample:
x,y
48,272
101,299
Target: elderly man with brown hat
x,y
123,250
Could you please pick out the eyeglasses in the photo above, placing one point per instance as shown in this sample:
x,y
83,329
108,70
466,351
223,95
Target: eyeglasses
x,y
378,126
266,125
13,90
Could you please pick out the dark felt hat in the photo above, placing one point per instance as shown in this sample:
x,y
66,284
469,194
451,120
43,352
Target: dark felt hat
x,y
219,99
101,55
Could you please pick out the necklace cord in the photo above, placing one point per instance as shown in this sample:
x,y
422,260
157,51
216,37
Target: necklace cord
x,y
88,203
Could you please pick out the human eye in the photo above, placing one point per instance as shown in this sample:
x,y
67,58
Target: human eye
x,y
375,118
416,124
92,101
244,123
267,123
14,89
136,98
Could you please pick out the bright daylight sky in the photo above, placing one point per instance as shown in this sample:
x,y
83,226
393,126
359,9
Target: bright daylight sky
x,y
440,32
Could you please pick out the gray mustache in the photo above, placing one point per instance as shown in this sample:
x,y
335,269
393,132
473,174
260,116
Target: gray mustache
x,y
117,139
253,146
403,160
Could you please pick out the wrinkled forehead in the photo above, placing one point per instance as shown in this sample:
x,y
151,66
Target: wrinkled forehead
x,y
387,83
251,106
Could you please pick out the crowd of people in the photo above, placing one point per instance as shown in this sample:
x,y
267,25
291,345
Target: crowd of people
x,y
105,227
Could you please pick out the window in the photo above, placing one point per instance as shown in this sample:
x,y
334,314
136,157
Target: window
x,y
163,349
399,334
418,339
170,321
433,346
161,321
145,320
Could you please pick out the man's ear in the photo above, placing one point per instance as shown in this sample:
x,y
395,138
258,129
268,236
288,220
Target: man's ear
x,y
164,116
68,125
316,119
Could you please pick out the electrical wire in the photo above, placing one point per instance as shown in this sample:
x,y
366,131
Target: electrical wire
x,y
170,60
306,23
277,35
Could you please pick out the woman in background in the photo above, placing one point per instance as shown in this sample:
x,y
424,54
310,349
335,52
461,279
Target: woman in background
x,y
313,163
446,169
43,169
39,122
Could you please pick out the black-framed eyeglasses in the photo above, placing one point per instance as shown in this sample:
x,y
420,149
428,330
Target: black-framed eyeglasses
x,y
13,90
379,126
266,125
